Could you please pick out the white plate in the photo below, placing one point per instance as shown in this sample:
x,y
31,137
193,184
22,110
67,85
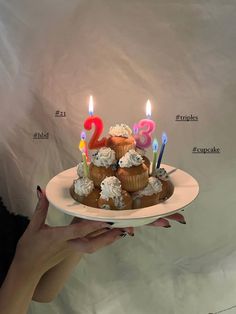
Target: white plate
x,y
186,189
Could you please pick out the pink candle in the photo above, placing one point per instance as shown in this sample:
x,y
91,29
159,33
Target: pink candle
x,y
94,142
146,127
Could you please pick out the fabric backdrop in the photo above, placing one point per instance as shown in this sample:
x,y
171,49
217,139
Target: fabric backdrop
x,y
181,55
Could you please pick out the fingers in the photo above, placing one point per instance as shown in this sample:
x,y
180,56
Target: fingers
x,y
128,230
177,217
40,213
80,229
161,222
91,245
96,233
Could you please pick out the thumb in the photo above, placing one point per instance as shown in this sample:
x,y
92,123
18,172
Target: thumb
x,y
40,213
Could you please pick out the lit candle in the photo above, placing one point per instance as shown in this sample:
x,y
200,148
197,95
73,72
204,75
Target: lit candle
x,y
135,132
164,141
83,144
86,168
146,127
94,142
82,147
154,161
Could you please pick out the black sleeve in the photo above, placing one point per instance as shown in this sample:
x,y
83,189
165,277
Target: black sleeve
x,y
11,229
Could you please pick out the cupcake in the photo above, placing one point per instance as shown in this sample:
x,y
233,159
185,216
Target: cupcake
x,y
112,196
132,173
167,185
149,195
103,164
120,140
83,191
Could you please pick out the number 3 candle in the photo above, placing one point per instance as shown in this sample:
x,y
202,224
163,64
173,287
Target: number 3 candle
x,y
94,142
146,127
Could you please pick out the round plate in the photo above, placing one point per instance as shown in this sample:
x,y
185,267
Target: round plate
x,y
186,189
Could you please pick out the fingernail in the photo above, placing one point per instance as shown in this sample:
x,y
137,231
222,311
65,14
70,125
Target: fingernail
x,y
168,226
39,192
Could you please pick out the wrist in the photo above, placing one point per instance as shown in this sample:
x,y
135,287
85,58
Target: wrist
x,y
18,287
21,271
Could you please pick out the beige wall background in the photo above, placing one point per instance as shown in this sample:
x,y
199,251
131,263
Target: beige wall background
x,y
181,55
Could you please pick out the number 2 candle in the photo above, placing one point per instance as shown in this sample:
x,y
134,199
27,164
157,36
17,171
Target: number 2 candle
x,y
94,142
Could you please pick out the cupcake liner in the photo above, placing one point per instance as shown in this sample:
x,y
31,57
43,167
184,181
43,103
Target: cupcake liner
x,y
98,174
133,183
90,200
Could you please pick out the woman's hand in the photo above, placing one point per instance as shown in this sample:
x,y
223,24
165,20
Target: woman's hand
x,y
163,222
42,247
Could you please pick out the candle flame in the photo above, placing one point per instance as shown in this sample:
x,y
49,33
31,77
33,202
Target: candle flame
x,y
148,109
155,145
83,136
164,138
91,103
135,129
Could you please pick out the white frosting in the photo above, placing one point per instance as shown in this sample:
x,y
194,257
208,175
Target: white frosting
x,y
105,157
121,130
130,159
80,170
161,173
83,186
111,188
154,186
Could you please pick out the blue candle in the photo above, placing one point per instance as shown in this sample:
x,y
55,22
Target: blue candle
x,y
164,141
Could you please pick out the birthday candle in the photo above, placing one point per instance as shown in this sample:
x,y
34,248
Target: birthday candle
x,y
86,168
164,141
145,127
83,144
155,148
94,142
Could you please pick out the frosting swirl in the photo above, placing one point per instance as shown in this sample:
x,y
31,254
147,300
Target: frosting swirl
x,y
111,188
131,158
83,186
161,173
154,186
80,169
105,157
121,130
